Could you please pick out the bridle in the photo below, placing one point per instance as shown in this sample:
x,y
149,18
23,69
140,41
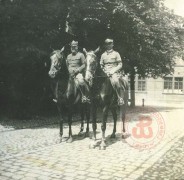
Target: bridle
x,y
91,70
56,58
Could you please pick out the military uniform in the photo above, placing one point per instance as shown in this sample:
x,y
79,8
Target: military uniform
x,y
75,63
76,66
111,64
110,59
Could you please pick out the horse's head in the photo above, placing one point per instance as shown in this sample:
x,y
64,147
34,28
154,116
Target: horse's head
x,y
91,62
56,57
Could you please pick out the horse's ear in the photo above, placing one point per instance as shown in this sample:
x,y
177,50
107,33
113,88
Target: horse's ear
x,y
97,50
62,49
84,50
51,48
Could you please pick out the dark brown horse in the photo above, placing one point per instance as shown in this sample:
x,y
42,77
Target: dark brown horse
x,y
102,89
66,101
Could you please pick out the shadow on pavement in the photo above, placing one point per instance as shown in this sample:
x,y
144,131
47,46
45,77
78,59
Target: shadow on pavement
x,y
44,121
169,166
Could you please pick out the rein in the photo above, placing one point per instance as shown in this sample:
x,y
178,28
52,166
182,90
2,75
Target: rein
x,y
100,77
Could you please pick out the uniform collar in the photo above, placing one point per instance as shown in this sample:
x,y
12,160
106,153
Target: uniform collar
x,y
109,51
74,54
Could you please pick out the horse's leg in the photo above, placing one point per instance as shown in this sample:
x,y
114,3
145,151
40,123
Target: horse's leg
x,y
123,113
94,126
114,115
60,123
94,113
123,106
70,138
103,126
87,111
82,119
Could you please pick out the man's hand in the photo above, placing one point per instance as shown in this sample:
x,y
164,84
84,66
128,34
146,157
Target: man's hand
x,y
72,75
109,74
74,72
112,71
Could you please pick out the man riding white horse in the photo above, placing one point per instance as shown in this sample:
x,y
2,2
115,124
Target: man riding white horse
x,y
111,64
76,65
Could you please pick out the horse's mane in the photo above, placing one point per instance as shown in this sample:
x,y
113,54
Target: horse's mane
x,y
62,76
63,73
54,52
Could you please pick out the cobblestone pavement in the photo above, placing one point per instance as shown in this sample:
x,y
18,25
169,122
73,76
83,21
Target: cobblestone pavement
x,y
36,153
170,166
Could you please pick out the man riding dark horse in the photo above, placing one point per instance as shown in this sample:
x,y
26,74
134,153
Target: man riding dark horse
x,y
67,96
76,64
111,64
106,89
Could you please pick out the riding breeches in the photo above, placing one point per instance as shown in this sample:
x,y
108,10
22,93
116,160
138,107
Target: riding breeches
x,y
78,83
119,84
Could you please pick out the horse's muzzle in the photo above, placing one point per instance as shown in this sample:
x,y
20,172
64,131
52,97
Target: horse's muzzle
x,y
52,74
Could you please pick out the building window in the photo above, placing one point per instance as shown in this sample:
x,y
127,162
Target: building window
x,y
173,85
141,84
168,81
178,85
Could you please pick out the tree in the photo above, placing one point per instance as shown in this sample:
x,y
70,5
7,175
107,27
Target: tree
x,y
86,18
148,37
29,29
144,32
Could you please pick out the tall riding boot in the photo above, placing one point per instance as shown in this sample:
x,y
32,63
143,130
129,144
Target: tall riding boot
x,y
85,95
120,95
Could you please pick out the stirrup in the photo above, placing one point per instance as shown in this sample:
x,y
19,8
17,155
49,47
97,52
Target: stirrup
x,y
85,99
55,100
121,101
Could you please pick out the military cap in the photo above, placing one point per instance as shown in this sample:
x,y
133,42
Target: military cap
x,y
107,41
74,43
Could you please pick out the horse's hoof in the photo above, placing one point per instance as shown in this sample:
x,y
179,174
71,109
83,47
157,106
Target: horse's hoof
x,y
113,136
64,139
87,134
124,135
70,140
60,139
80,133
91,146
102,147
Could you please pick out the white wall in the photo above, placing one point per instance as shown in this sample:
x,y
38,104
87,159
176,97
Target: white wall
x,y
154,91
